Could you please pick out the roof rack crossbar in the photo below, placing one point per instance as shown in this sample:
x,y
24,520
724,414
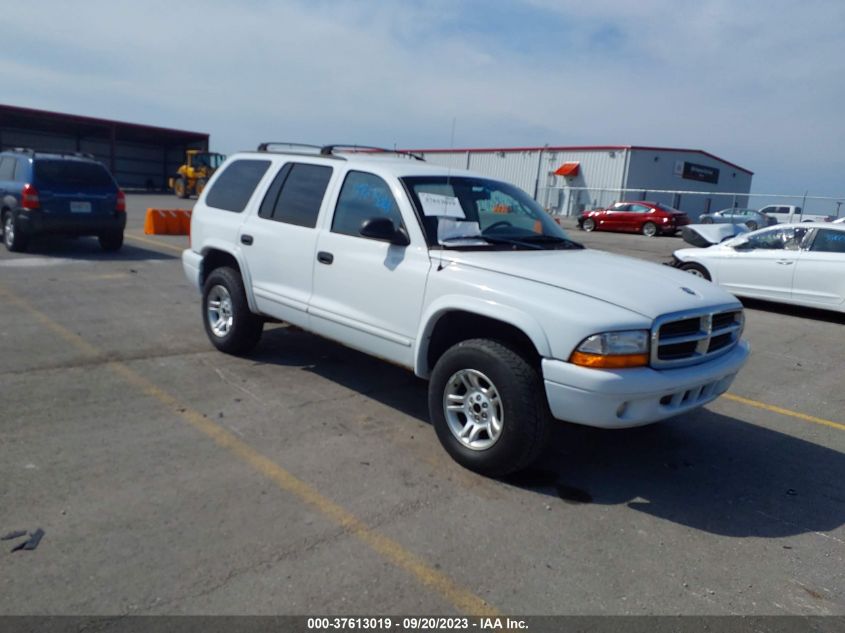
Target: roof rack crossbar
x,y
328,150
265,147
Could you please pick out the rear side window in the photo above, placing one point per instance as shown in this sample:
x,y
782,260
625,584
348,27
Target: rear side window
x,y
75,173
234,187
296,195
7,168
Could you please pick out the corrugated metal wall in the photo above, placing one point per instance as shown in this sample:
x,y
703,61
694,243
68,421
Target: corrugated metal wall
x,y
602,174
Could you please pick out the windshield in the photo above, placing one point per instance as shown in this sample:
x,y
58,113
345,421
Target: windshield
x,y
465,212
212,160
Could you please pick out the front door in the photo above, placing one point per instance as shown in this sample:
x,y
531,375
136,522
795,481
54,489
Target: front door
x,y
368,293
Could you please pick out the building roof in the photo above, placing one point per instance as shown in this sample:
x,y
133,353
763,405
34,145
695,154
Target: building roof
x,y
581,148
58,122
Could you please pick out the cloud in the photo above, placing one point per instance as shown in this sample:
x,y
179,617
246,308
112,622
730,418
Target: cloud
x,y
757,82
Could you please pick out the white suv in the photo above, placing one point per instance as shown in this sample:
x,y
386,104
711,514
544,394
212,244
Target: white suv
x,y
463,280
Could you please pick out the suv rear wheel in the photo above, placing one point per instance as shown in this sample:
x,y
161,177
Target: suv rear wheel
x,y
488,407
112,241
230,325
13,239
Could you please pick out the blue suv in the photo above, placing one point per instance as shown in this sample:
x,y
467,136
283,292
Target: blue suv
x,y
67,194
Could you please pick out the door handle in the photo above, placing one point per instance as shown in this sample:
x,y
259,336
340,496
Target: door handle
x,y
785,262
325,258
246,239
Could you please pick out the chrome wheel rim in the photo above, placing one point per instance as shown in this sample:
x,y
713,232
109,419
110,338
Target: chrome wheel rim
x,y
694,272
9,230
473,409
589,225
649,230
219,311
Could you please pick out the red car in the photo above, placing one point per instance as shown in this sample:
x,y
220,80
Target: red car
x,y
648,218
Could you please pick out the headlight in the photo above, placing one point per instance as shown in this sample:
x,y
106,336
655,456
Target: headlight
x,y
613,350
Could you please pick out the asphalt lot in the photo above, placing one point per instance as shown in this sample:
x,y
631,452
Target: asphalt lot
x,y
172,479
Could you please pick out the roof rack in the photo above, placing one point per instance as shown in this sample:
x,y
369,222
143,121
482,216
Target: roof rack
x,y
32,152
329,150
266,147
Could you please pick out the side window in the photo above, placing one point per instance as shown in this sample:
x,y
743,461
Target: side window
x,y
362,197
233,188
296,194
621,207
638,208
7,168
770,240
829,241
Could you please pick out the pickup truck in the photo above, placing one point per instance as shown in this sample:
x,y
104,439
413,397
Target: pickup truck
x,y
463,280
786,214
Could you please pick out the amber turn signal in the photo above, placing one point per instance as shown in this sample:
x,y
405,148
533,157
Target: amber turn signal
x,y
615,361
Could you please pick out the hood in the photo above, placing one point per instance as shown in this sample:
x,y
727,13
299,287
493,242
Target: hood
x,y
642,287
704,235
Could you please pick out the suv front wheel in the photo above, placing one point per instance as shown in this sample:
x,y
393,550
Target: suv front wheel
x,y
488,407
230,325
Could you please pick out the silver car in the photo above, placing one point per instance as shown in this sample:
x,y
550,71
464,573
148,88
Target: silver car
x,y
751,218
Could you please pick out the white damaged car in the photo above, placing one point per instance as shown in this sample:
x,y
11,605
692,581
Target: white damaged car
x,y
803,264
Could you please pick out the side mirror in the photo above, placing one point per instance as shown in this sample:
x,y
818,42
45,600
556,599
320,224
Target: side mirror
x,y
382,228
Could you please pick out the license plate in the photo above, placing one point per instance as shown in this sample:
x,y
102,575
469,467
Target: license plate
x,y
80,207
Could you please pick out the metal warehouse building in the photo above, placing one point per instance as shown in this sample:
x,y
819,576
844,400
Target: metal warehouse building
x,y
139,156
568,180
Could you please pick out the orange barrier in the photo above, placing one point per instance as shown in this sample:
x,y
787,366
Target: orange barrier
x,y
167,222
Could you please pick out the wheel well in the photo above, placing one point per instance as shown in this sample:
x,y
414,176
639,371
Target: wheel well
x,y
457,326
217,259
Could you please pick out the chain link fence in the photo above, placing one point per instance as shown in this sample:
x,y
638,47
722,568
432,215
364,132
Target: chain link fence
x,y
571,201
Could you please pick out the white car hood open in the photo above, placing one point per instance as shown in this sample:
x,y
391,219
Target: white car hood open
x,y
642,287
704,235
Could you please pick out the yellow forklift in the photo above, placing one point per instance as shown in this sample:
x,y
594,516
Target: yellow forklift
x,y
192,177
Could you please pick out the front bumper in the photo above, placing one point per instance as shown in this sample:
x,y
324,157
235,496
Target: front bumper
x,y
35,222
634,397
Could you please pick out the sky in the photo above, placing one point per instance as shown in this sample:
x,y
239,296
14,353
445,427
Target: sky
x,y
760,83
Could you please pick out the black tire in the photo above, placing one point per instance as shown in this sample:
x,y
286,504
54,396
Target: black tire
x,y
201,183
180,188
706,221
244,329
14,240
650,229
752,225
589,225
525,414
696,269
111,242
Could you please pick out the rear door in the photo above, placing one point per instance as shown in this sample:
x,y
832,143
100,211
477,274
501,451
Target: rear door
x,y
368,293
820,271
279,240
637,215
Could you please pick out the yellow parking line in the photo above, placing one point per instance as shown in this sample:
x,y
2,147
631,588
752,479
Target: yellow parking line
x,y
158,243
782,411
461,598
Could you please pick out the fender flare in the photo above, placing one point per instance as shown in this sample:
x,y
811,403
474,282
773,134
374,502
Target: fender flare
x,y
490,309
237,254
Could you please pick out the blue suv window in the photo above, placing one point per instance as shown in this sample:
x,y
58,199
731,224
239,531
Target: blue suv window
x,y
53,173
7,168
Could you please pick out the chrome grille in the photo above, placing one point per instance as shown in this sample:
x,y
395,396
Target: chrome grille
x,y
687,338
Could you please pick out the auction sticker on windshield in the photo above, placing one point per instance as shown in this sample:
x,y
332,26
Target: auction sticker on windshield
x,y
441,206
